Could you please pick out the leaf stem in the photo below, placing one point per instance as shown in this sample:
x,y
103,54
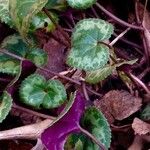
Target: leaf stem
x,y
138,82
102,147
119,36
119,21
11,54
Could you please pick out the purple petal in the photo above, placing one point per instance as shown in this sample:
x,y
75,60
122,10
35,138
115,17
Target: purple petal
x,y
55,136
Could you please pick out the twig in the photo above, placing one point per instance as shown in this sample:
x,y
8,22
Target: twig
x,y
32,112
130,43
26,132
119,21
85,92
138,82
94,12
137,12
119,36
102,147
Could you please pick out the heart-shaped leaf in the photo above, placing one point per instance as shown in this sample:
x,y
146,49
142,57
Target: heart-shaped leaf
x,y
87,52
22,13
95,122
96,76
81,4
35,91
15,45
55,136
5,105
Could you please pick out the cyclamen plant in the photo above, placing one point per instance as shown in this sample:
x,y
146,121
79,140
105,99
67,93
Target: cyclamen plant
x,y
89,52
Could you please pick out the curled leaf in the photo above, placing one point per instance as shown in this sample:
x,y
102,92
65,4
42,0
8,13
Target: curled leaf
x,y
87,52
22,12
41,21
35,91
118,105
81,4
5,105
96,76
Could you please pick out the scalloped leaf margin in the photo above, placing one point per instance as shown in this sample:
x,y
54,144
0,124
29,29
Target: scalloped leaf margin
x,y
87,52
81,4
38,93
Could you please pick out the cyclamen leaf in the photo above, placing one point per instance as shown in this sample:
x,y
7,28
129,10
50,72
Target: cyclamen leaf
x,y
35,91
22,13
5,105
4,12
145,114
15,45
56,4
55,136
95,122
81,4
39,21
96,76
87,52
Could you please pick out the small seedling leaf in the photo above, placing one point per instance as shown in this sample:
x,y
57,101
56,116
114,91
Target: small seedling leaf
x,y
36,92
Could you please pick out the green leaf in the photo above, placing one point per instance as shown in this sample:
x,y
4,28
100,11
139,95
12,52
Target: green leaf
x,y
96,76
87,52
4,12
56,5
41,20
95,122
81,4
145,114
35,91
5,105
37,56
22,13
15,45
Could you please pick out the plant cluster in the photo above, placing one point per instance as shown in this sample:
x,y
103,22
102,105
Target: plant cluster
x,y
89,51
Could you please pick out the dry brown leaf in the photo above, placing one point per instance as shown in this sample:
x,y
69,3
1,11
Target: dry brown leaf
x,y
140,127
56,57
118,105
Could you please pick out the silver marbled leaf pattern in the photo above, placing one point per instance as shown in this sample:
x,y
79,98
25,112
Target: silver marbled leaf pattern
x,y
87,52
